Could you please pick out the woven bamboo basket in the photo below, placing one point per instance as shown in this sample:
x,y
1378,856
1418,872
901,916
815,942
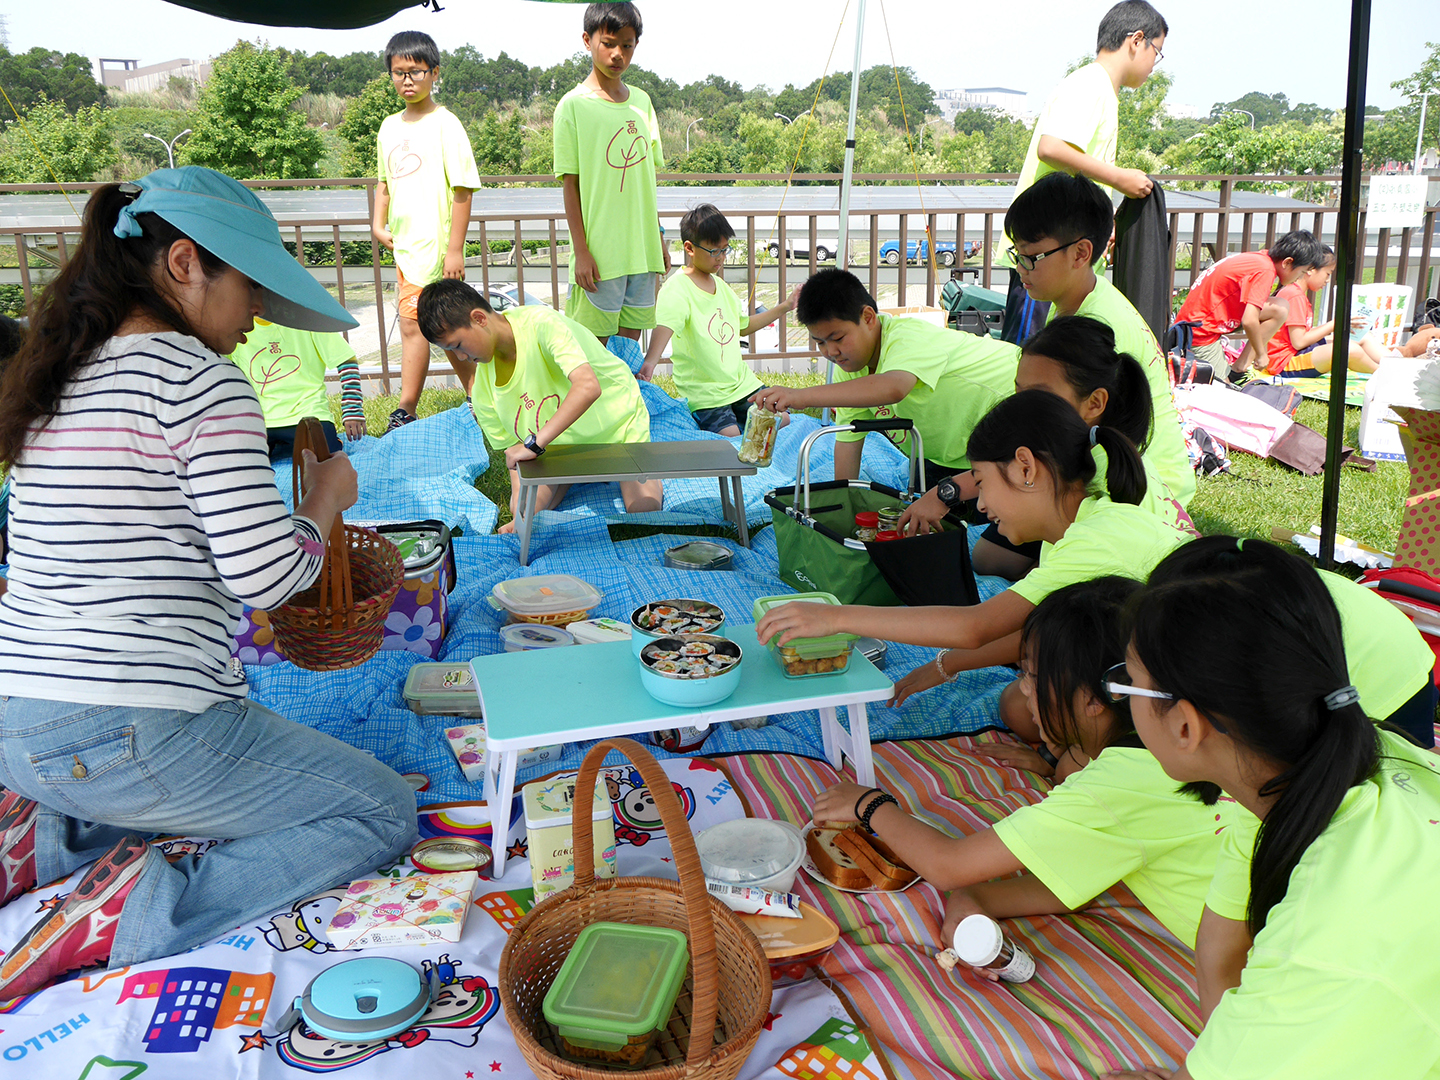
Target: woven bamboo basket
x,y
723,1004
339,621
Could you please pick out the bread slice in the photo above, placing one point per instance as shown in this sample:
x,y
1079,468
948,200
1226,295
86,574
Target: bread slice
x,y
884,869
837,867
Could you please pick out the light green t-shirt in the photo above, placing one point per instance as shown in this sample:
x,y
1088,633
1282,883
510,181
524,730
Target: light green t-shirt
x,y
1085,112
1389,661
709,367
1122,819
548,347
422,163
1158,499
960,377
1106,537
287,369
613,148
1344,980
1166,450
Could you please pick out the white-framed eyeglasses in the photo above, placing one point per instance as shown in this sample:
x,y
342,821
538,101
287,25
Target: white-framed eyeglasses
x,y
1116,683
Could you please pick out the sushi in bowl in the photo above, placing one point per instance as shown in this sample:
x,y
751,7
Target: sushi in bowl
x,y
673,618
698,669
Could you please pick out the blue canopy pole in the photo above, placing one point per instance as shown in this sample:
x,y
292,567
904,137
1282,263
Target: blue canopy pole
x,y
1349,263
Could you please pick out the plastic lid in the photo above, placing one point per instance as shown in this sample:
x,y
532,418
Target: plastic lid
x,y
830,645
552,802
366,993
440,678
867,519
886,534
546,594
591,1006
526,636
748,849
978,939
698,555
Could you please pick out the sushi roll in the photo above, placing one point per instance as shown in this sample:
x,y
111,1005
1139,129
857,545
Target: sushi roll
x,y
663,654
697,649
667,667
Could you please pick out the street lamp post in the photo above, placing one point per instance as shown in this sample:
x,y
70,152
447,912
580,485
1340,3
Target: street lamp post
x,y
1420,131
169,146
1249,114
921,140
782,116
687,133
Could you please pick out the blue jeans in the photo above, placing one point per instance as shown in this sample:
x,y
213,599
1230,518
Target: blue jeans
x,y
303,812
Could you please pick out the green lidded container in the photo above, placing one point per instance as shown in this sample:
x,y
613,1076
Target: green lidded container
x,y
601,1018
801,658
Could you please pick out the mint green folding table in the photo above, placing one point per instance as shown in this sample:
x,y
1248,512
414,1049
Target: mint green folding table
x,y
593,691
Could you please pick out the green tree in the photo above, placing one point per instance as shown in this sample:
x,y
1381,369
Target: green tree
x,y
1009,142
72,148
965,152
245,123
503,79
555,82
361,126
321,73
1393,138
55,76
977,119
129,123
499,145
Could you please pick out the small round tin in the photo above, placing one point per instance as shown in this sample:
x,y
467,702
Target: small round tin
x,y
451,854
699,555
417,780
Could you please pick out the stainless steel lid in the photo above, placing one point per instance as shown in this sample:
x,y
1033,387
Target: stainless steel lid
x,y
699,555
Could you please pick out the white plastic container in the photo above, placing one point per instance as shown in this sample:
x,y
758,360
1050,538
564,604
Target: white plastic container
x,y
523,637
597,631
558,599
981,943
755,852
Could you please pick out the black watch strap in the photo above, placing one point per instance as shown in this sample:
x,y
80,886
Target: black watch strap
x,y
949,493
533,445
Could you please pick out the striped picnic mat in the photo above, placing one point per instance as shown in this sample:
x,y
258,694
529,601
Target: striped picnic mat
x,y
1114,989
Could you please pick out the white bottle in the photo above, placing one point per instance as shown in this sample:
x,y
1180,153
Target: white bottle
x,y
981,943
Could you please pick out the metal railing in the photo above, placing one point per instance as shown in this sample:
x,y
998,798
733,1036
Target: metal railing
x,y
1216,228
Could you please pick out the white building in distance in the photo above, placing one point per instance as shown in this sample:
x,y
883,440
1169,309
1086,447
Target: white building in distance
x,y
1000,98
130,77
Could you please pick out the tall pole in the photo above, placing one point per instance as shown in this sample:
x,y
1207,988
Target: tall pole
x,y
842,259
1349,260
1420,132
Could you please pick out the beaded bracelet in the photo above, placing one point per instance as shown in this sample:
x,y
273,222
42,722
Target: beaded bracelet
x,y
880,800
940,666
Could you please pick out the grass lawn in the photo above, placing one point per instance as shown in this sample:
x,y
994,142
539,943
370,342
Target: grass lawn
x,y
1258,495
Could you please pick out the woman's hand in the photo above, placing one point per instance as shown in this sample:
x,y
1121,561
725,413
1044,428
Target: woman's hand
x,y
923,515
798,620
836,805
921,679
1017,757
333,480
518,453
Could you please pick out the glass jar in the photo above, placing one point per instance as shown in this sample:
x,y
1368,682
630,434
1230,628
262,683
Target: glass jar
x,y
757,445
867,524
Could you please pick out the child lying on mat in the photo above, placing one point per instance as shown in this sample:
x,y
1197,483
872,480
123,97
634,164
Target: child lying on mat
x,y
1334,985
1117,817
543,379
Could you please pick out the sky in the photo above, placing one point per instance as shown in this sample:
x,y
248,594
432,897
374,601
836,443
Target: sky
x,y
1216,51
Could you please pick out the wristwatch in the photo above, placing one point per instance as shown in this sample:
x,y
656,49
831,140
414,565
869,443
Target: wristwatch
x,y
947,490
533,445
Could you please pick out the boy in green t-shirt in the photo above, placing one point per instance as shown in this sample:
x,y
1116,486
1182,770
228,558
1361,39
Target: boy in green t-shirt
x,y
422,204
287,369
942,380
541,379
607,141
1078,130
701,315
1060,227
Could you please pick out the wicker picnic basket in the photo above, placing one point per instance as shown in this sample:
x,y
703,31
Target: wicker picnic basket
x,y
340,620
726,995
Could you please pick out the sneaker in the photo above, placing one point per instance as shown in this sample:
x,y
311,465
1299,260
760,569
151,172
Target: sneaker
x,y
17,845
398,419
81,931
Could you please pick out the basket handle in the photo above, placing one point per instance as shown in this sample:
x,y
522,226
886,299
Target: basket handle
x,y
336,589
687,862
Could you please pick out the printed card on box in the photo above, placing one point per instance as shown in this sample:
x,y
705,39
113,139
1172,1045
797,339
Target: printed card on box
x,y
467,743
419,910
1418,544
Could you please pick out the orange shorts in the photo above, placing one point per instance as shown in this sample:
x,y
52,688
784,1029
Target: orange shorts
x,y
407,297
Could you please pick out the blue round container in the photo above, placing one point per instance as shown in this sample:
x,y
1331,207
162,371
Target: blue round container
x,y
364,1000
677,690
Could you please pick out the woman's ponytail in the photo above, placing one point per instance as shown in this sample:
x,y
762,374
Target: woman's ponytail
x,y
1084,348
1124,470
1130,408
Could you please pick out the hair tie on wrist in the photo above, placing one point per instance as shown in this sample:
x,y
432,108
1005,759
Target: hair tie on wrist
x,y
1094,431
863,796
1240,544
1339,699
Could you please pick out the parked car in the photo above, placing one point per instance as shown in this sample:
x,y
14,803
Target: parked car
x,y
800,249
919,251
507,295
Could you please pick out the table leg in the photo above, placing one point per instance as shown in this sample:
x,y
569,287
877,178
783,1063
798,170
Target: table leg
x,y
829,729
725,511
525,504
860,755
499,797
742,526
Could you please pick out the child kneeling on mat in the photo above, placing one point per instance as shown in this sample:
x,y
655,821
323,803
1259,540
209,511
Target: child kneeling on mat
x,y
543,379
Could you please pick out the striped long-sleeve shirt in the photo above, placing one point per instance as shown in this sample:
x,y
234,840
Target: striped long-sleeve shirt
x,y
140,517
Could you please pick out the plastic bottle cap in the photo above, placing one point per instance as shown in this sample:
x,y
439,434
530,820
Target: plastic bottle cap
x,y
886,534
867,519
978,939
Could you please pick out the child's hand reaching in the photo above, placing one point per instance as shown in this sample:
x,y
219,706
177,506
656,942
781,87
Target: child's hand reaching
x,y
961,905
923,678
800,620
1017,757
776,398
836,805
518,453
455,265
355,428
646,372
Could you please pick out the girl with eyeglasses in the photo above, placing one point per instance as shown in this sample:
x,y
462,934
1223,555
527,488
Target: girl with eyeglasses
x,y
1119,818
1342,980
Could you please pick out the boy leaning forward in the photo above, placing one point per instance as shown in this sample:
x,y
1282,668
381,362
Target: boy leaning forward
x,y
607,141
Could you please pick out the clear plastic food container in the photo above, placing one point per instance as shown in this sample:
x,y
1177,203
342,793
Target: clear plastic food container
x,y
558,599
757,445
800,658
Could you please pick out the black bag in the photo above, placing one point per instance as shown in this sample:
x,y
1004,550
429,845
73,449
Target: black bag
x,y
1180,339
1186,369
1426,314
1285,398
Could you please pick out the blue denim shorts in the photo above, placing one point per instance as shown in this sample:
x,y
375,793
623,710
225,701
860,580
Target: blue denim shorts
x,y
719,417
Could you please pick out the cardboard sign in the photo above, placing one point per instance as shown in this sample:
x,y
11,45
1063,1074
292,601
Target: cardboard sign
x,y
1396,202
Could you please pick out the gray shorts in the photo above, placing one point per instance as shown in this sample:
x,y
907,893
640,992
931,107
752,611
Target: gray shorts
x,y
1214,355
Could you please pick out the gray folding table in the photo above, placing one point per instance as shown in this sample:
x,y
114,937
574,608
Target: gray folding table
x,y
606,462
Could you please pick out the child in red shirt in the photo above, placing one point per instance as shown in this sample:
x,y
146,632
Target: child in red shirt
x,y
1235,294
1299,332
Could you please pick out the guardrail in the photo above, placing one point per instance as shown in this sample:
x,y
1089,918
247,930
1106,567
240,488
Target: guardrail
x,y
1216,228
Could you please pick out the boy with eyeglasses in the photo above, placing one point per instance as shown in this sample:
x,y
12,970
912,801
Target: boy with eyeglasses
x,y
1078,129
427,175
701,315
607,146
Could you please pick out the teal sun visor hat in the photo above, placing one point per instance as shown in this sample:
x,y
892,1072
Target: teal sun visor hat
x,y
225,218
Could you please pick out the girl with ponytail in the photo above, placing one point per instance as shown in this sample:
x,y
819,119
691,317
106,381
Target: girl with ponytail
x,y
1074,357
1333,985
1032,460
